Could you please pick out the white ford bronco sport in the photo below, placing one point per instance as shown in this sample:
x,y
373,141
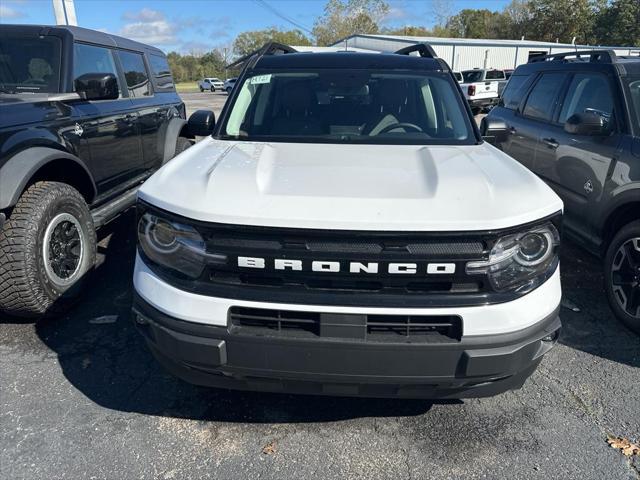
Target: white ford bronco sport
x,y
347,231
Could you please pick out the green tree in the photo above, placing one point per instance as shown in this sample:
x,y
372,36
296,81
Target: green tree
x,y
409,30
618,23
342,18
473,23
248,42
562,20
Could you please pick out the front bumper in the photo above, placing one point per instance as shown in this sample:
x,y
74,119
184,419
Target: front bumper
x,y
476,366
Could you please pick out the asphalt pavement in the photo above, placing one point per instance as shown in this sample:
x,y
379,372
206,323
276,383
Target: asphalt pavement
x,y
81,397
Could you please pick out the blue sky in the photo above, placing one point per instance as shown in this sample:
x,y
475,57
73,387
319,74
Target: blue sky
x,y
200,25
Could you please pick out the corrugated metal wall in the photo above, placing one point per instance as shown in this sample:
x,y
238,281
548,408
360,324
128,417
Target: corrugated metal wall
x,y
462,56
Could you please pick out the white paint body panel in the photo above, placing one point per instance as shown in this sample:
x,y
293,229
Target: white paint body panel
x,y
480,320
351,187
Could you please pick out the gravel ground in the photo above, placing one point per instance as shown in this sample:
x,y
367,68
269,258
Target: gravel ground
x,y
81,397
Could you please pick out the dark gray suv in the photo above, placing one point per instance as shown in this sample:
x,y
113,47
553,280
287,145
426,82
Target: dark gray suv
x,y
574,119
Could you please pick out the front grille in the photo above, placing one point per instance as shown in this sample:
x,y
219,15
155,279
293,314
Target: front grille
x,y
307,246
344,287
371,328
391,327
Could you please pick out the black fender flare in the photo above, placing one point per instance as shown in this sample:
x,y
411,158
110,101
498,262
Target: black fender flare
x,y
19,169
627,195
172,133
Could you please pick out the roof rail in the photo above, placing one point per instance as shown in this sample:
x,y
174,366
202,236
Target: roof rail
x,y
270,48
594,56
423,50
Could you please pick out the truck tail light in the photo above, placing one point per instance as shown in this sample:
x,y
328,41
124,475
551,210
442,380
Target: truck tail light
x,y
471,91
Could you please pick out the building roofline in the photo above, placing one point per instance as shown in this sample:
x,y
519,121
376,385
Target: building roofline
x,y
479,41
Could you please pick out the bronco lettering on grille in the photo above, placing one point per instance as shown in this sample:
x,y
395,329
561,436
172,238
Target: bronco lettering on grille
x,y
395,268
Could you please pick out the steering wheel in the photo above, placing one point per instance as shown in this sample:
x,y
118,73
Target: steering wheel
x,y
393,126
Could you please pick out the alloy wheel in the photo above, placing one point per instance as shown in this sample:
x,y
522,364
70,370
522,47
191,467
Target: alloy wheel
x,y
63,249
625,277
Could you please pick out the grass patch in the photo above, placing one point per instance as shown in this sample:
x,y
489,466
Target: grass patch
x,y
187,87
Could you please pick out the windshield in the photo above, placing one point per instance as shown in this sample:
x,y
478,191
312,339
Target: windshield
x,y
633,86
471,76
339,106
29,64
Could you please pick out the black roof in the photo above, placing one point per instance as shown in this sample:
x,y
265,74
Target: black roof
x,y
348,60
84,35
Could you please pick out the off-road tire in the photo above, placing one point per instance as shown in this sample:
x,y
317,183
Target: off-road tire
x,y
27,287
626,233
182,144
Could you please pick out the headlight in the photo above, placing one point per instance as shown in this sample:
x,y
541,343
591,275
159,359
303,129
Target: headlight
x,y
174,245
521,262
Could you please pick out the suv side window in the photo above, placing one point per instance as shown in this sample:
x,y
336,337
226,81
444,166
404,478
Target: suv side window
x,y
92,59
494,75
542,99
514,91
587,92
161,71
135,73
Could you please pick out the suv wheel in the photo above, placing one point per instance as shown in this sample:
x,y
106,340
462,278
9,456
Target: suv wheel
x,y
182,144
201,89
213,89
46,248
622,275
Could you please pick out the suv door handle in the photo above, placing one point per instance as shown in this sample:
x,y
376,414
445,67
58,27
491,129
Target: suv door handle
x,y
551,143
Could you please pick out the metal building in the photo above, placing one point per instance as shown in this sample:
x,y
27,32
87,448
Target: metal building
x,y
467,53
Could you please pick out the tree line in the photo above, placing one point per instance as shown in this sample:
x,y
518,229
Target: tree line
x,y
593,22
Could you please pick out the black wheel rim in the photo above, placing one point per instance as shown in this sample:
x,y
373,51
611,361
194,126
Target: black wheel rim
x,y
63,249
625,277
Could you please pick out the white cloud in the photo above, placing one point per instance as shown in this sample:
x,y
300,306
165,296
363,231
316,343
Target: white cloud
x,y
7,12
149,26
144,15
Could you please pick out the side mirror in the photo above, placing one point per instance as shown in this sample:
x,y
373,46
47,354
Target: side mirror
x,y
494,130
587,123
201,123
97,86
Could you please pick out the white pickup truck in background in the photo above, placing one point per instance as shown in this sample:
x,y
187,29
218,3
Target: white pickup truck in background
x,y
482,88
211,83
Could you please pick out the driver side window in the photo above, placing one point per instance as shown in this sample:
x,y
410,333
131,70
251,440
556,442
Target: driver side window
x,y
588,92
91,59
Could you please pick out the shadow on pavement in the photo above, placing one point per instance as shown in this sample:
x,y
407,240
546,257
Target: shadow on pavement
x,y
103,356
594,328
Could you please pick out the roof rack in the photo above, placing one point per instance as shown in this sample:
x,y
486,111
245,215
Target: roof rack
x,y
424,50
270,48
594,56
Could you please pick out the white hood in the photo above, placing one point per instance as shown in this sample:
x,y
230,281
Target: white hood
x,y
351,187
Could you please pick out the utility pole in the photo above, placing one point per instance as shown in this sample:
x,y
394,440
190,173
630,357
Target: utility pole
x,y
225,62
65,12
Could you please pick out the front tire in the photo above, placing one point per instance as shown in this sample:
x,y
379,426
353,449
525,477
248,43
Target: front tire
x,y
47,247
182,144
213,90
622,275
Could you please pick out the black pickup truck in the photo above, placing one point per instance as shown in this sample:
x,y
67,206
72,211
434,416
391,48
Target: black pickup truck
x,y
85,118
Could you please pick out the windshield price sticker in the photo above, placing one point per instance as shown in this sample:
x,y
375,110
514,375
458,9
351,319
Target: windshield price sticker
x,y
261,79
